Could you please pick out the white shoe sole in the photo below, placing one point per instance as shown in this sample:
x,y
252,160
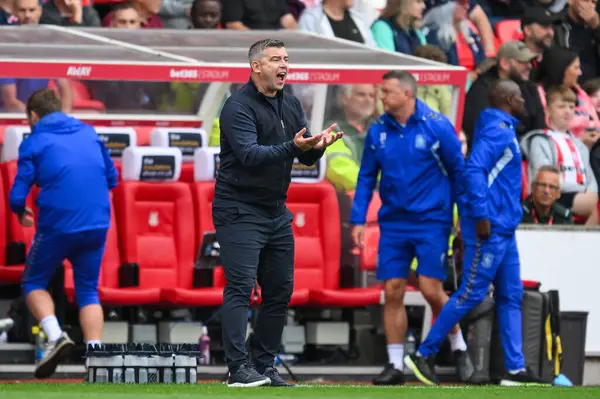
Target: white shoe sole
x,y
509,383
266,381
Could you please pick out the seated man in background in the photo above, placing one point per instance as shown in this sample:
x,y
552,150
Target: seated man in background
x,y
540,207
357,103
559,147
15,92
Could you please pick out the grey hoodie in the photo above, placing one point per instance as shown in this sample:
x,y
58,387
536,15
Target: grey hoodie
x,y
540,150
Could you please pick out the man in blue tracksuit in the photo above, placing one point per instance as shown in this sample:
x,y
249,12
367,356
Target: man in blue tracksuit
x,y
490,215
418,154
69,163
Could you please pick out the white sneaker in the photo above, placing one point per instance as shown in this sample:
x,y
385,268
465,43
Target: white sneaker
x,y
55,352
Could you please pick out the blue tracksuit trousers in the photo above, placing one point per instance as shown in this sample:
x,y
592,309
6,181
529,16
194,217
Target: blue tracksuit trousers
x,y
493,261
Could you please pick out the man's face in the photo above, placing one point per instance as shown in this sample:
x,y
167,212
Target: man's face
x,y
28,11
517,104
272,68
360,103
393,96
561,113
517,70
32,119
127,18
540,35
546,189
208,14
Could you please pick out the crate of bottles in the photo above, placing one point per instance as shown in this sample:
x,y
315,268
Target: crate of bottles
x,y
142,363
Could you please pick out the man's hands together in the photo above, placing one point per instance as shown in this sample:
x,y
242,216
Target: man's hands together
x,y
320,141
483,229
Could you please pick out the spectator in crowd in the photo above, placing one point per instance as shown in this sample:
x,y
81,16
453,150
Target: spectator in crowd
x,y
344,156
398,27
124,96
147,10
592,88
563,67
540,207
257,14
370,9
206,14
69,13
28,12
446,27
537,24
125,16
175,14
477,16
438,97
6,13
580,32
336,18
15,92
559,147
513,62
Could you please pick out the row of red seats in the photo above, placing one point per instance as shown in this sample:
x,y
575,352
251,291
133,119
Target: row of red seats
x,y
165,249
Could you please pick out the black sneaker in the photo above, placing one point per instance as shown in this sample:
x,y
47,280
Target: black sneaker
x,y
464,366
523,378
55,353
276,379
247,376
423,368
389,376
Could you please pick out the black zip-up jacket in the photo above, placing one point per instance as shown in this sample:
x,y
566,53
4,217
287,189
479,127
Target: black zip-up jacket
x,y
257,149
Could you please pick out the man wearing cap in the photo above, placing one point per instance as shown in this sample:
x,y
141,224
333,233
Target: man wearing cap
x,y
513,62
537,25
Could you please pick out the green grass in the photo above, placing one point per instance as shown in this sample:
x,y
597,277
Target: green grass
x,y
209,391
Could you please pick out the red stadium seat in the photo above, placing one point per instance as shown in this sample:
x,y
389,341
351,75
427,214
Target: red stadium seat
x,y
18,238
156,230
143,134
82,100
108,286
184,294
187,172
509,29
8,274
524,180
317,253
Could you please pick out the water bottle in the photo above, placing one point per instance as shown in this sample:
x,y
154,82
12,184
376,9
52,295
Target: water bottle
x,y
204,347
98,362
129,364
40,343
410,345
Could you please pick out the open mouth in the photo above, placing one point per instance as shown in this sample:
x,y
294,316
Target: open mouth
x,y
281,77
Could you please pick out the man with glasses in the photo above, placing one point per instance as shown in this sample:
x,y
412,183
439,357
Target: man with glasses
x,y
541,206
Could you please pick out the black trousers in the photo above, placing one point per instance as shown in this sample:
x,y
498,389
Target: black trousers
x,y
254,246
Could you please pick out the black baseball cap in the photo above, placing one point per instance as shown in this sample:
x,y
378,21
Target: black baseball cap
x,y
539,15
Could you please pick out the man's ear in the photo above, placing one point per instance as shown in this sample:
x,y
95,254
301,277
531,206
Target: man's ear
x,y
255,65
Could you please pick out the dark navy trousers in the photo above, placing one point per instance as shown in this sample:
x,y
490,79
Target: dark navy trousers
x,y
254,246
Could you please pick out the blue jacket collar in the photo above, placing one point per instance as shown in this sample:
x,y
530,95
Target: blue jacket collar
x,y
421,111
496,113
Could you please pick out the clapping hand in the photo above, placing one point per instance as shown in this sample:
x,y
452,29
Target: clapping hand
x,y
327,138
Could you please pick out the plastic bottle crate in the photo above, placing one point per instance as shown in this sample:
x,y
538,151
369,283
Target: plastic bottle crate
x,y
142,363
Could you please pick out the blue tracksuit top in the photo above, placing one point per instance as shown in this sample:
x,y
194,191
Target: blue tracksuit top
x,y
493,175
421,167
72,167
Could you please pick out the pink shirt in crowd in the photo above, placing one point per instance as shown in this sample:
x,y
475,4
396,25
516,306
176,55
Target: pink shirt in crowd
x,y
585,113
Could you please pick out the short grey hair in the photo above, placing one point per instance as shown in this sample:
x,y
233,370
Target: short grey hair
x,y
257,49
404,78
550,169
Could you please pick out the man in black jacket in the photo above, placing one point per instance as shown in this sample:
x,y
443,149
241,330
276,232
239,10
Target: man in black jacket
x,y
514,62
263,129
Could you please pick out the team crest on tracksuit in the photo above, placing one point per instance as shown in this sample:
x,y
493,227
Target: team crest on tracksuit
x,y
420,142
487,260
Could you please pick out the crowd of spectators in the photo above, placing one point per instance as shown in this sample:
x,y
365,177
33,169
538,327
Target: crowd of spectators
x,y
552,52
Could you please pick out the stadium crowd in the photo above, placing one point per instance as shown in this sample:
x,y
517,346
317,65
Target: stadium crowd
x,y
551,48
